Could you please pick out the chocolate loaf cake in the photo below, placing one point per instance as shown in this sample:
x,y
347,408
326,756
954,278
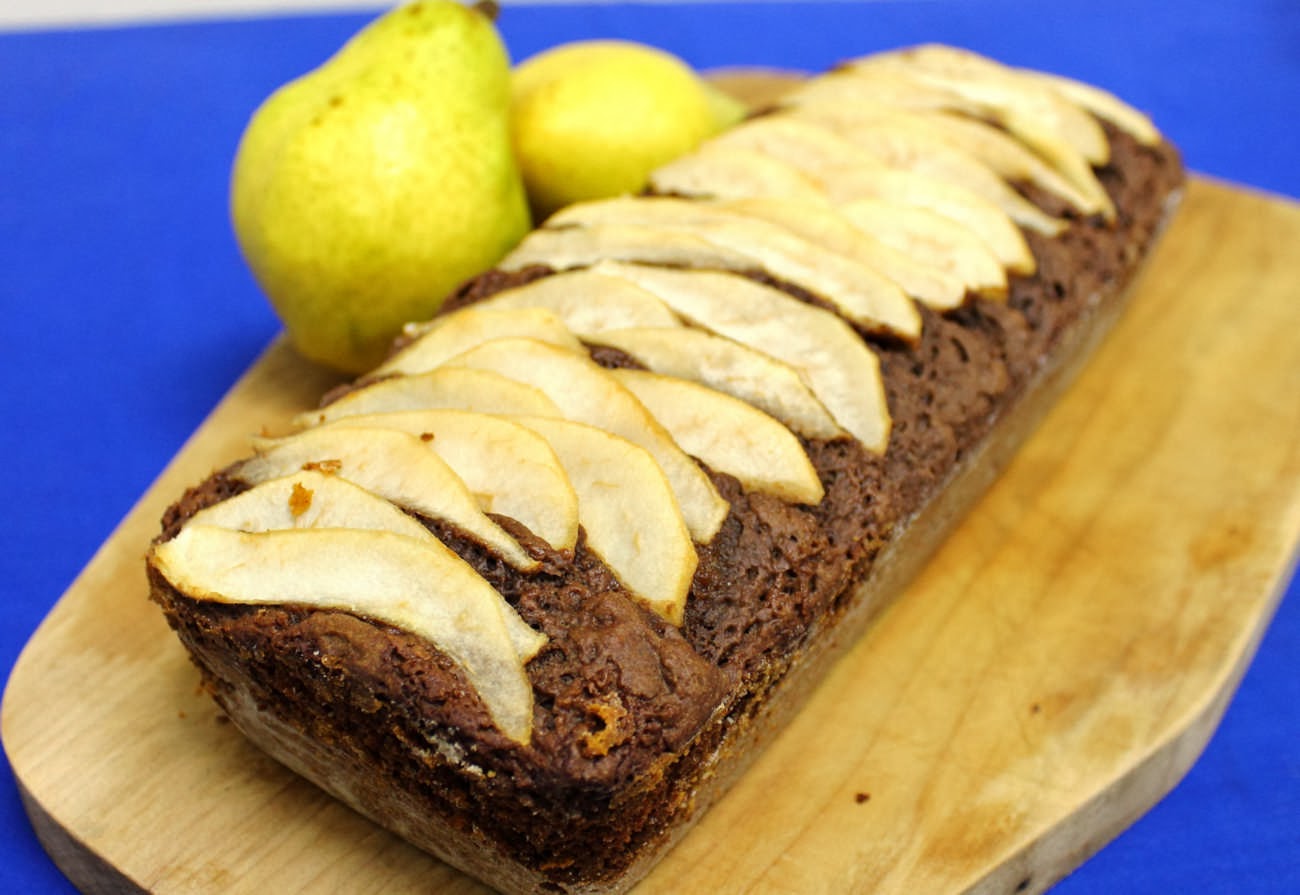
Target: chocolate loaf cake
x,y
542,657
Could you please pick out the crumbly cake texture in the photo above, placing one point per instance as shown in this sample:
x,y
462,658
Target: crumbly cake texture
x,y
639,724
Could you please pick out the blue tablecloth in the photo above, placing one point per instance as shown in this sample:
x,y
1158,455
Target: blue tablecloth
x,y
127,312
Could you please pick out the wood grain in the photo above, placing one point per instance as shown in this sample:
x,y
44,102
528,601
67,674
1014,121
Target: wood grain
x,y
1056,669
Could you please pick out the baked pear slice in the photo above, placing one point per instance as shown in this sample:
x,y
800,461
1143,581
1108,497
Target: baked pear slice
x,y
629,512
724,171
991,224
809,147
931,240
832,228
418,586
1076,183
1100,103
845,171
758,379
510,470
309,499
848,85
1056,129
568,247
450,334
481,391
396,466
587,393
728,435
588,301
831,358
859,292
927,155
1003,153
315,500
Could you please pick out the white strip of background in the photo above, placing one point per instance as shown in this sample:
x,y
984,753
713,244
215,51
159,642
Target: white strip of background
x,y
28,14
35,14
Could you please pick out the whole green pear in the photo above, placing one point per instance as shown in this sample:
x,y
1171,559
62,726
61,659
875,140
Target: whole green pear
x,y
368,189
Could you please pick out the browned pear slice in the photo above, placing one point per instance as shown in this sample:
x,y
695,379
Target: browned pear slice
x,y
928,155
314,500
450,334
509,469
588,301
846,171
756,378
728,435
1027,108
1100,103
859,292
396,466
629,512
931,240
454,388
832,359
723,171
586,393
935,286
417,586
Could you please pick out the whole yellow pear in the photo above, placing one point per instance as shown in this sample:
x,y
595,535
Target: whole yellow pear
x,y
368,189
593,118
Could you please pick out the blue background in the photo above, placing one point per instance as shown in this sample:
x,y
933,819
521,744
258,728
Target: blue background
x,y
127,311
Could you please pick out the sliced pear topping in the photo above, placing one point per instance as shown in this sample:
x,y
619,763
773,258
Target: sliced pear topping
x,y
846,171
309,499
394,465
313,500
455,388
510,470
831,228
932,157
830,357
728,435
738,370
450,334
628,511
846,86
1100,103
1025,107
858,291
722,171
1063,134
417,586
982,217
1074,181
568,247
806,146
586,393
588,301
933,241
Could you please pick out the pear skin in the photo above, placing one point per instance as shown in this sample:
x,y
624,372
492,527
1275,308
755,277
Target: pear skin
x,y
592,119
365,191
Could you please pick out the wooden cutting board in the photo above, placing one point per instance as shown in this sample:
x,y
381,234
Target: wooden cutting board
x,y
1057,668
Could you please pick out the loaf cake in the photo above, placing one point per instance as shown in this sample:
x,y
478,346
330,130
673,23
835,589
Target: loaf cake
x,y
530,593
